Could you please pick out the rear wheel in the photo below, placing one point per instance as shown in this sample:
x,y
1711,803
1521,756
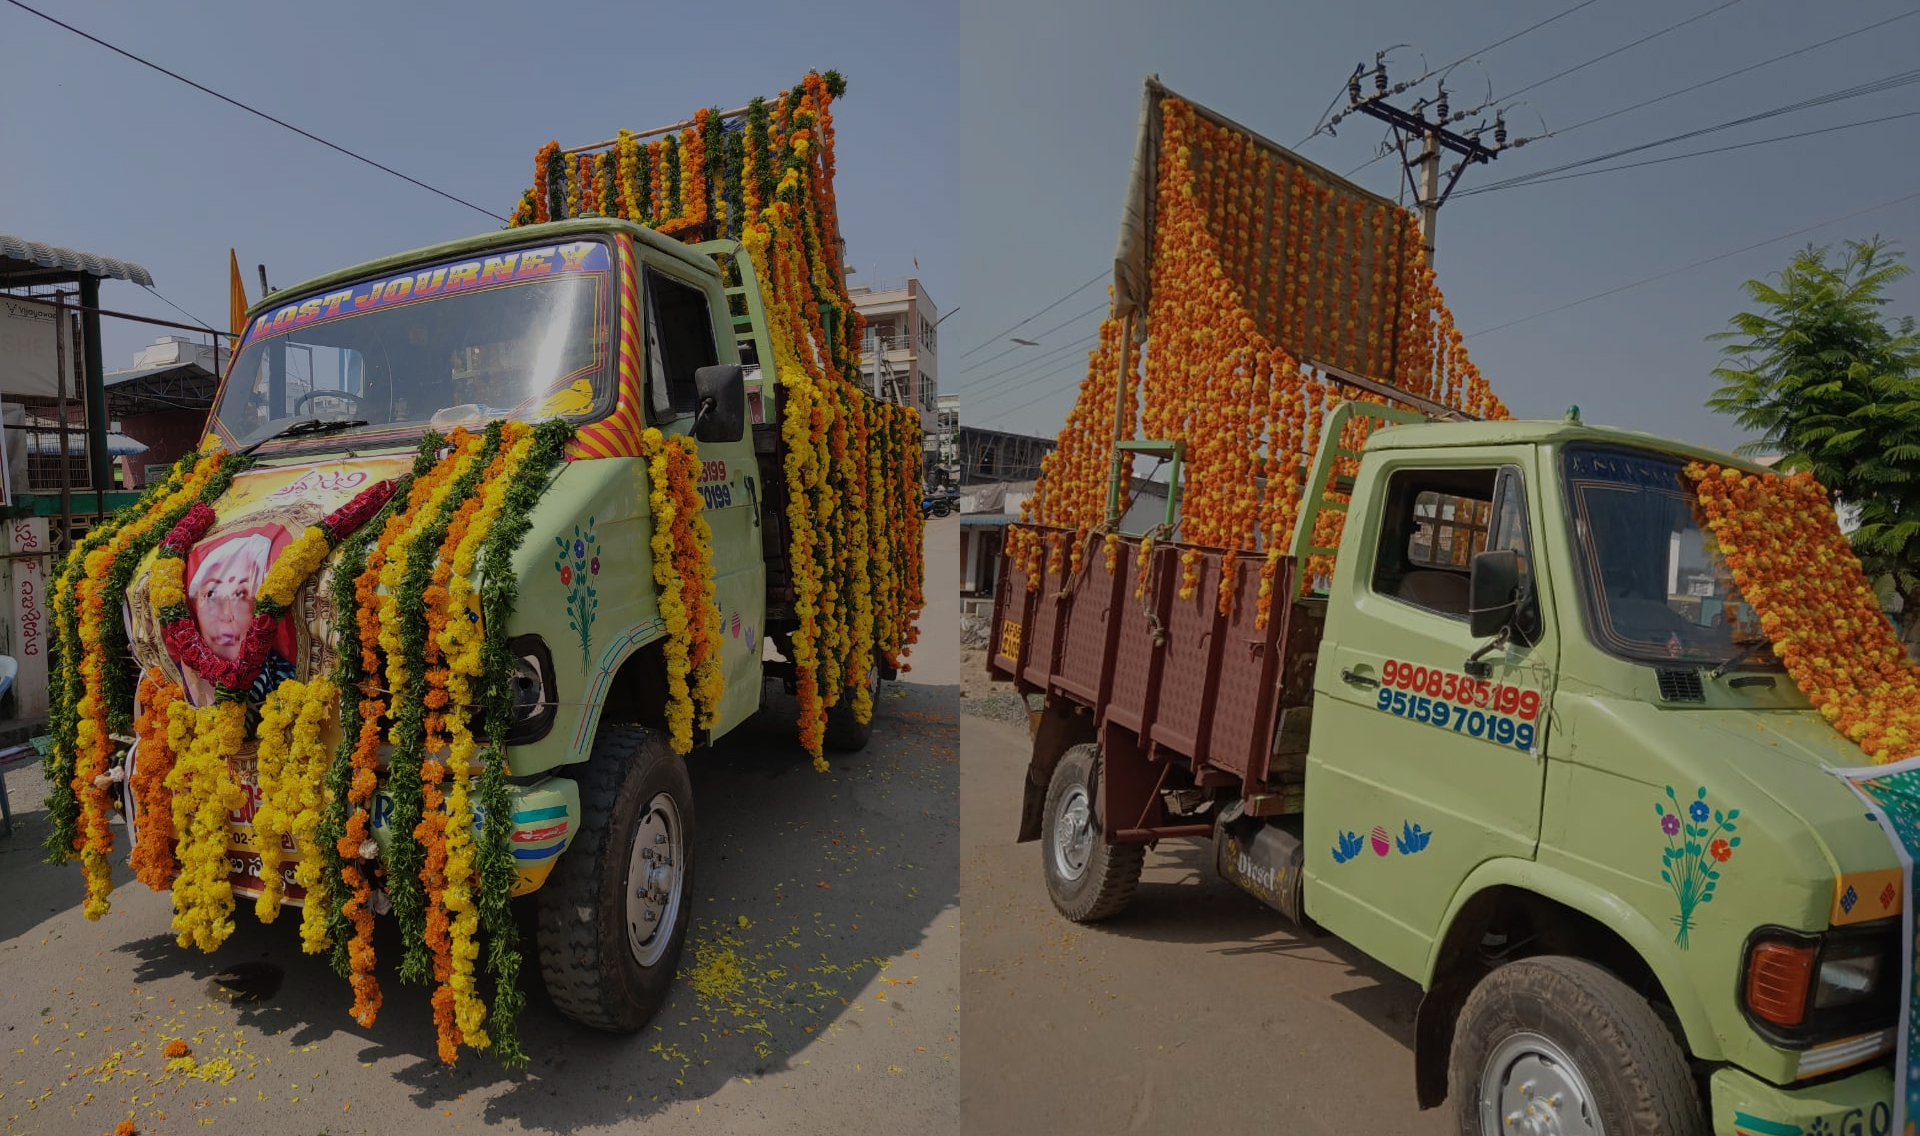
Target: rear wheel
x,y
613,915
843,734
1087,878
1559,1045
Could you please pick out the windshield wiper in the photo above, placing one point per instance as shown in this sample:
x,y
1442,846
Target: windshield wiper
x,y
305,426
1746,651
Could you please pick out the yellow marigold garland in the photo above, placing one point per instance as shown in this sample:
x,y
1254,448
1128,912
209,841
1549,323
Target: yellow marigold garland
x,y
291,767
683,570
204,793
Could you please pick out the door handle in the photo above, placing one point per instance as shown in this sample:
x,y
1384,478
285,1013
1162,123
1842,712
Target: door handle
x,y
1358,679
753,495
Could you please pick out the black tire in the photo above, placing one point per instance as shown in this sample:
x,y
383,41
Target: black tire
x,y
1107,874
1622,1058
594,972
843,734
941,510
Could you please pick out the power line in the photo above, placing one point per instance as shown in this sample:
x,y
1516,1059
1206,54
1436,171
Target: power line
x,y
1730,74
1064,366
1636,43
250,110
990,340
1715,150
1690,88
1698,264
1043,334
1872,87
1516,35
183,311
981,385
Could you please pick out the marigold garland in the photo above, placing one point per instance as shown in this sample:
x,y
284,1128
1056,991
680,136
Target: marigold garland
x,y
1782,542
852,465
153,862
1239,304
683,570
204,793
93,695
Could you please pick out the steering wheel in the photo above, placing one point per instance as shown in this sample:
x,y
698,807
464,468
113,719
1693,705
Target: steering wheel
x,y
358,400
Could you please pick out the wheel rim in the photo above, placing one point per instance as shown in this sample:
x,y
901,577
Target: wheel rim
x,y
1530,1087
1073,834
656,875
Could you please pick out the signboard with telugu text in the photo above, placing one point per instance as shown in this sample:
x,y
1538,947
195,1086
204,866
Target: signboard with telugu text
x,y
31,614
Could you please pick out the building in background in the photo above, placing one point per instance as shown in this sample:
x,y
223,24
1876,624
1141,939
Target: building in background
x,y
947,439
997,455
162,402
898,359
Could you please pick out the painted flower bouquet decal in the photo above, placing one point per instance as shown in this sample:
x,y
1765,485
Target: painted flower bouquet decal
x,y
1695,854
577,564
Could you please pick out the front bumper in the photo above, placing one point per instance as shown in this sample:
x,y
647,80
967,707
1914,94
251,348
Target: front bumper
x,y
545,815
1860,1105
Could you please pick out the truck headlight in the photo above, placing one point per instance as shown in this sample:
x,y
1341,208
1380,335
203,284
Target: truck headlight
x,y
1831,995
1849,974
532,689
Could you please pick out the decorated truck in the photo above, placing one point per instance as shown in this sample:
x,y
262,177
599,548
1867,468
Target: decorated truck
x,y
482,539
1600,738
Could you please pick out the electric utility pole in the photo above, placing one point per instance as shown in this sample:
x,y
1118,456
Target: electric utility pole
x,y
1432,135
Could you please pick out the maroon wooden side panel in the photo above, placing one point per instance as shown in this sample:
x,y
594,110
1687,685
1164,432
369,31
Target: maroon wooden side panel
x,y
1242,733
1011,602
1186,686
1084,657
1041,629
1134,654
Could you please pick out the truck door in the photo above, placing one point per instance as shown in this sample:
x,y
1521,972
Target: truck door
x,y
681,338
1418,771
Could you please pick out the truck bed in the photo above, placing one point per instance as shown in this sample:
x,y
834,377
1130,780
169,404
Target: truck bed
x,y
1181,697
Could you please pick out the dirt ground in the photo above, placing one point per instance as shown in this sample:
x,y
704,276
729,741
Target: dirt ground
x,y
1197,1009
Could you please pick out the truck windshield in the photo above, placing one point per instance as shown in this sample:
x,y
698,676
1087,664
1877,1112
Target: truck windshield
x,y
521,333
1653,581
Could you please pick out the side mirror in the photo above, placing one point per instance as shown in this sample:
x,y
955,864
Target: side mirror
x,y
1493,591
722,391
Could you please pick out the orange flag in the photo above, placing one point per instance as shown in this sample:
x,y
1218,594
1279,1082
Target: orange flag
x,y
239,294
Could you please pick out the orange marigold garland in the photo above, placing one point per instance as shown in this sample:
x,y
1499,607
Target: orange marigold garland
x,y
1791,563
153,862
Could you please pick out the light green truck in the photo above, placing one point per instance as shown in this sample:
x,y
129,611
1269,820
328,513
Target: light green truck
x,y
1512,748
617,329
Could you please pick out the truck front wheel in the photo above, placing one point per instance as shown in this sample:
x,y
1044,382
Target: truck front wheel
x,y
1087,878
1559,1045
614,913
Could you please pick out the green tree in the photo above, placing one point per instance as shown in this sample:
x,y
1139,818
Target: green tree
x,y
1830,382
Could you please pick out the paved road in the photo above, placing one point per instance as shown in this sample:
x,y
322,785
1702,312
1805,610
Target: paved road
x,y
819,991
1197,1010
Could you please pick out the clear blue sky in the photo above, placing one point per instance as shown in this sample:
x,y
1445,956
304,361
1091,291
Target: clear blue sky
x,y
110,157
1048,118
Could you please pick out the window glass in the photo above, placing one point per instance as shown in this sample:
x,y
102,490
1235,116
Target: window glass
x,y
521,334
1654,583
679,343
1434,521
